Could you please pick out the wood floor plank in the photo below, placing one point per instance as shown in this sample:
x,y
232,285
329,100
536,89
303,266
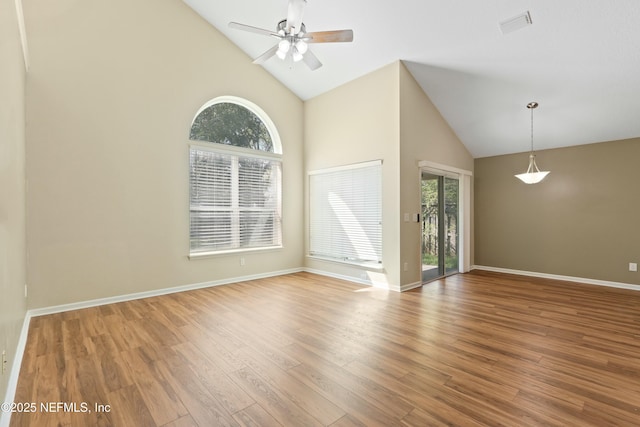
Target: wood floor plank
x,y
307,399
453,405
187,421
345,398
348,421
193,394
475,349
273,400
437,414
206,343
159,398
540,403
85,384
129,408
213,378
255,416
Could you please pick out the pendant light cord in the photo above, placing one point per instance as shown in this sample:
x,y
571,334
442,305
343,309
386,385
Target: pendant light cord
x,y
531,129
532,105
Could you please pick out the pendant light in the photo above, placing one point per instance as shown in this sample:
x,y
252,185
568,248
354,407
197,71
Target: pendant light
x,y
533,174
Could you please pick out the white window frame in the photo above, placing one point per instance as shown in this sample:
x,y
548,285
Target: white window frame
x,y
359,219
237,153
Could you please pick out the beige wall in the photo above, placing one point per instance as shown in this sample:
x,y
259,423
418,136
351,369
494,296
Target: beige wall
x,y
424,135
354,123
12,187
580,221
383,115
111,93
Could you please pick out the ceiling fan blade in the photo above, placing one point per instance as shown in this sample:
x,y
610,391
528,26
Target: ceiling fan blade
x,y
251,29
311,60
294,14
268,54
329,36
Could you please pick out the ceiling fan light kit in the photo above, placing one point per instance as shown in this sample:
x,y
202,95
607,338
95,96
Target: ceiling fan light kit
x,y
294,39
533,175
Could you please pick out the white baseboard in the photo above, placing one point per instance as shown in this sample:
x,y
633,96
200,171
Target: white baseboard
x,y
352,279
365,282
410,286
12,384
339,276
559,277
154,293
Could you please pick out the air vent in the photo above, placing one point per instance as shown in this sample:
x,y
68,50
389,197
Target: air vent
x,y
513,24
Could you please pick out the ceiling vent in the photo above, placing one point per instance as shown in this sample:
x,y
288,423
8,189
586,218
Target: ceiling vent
x,y
512,24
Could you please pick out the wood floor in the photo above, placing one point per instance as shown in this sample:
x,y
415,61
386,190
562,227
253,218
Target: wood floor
x,y
479,349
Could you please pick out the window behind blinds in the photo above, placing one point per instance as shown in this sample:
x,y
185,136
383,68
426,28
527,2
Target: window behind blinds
x,y
346,213
234,201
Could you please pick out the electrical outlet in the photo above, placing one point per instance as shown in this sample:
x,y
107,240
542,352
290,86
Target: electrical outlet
x,y
25,290
406,266
4,361
633,266
242,261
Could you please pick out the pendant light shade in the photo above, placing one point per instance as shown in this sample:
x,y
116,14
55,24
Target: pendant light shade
x,y
533,175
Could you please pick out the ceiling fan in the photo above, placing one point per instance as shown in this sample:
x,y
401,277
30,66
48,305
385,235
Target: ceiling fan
x,y
293,37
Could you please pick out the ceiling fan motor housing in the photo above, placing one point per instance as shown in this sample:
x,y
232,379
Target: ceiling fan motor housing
x,y
282,29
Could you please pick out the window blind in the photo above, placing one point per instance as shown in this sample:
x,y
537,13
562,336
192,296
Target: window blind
x,y
234,201
346,213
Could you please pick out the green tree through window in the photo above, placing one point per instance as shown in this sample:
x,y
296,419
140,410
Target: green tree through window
x,y
231,124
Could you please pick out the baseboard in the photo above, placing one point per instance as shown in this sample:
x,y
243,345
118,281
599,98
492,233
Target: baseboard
x,y
365,282
12,384
352,279
410,286
338,276
157,292
559,277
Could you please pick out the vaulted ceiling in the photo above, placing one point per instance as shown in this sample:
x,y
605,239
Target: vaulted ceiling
x,y
579,59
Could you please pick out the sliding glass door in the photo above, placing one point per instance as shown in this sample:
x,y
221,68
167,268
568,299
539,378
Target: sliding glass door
x,y
440,212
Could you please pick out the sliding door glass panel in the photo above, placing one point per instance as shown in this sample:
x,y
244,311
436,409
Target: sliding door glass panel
x,y
430,227
439,226
450,226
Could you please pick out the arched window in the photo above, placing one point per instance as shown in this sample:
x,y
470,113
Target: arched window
x,y
235,178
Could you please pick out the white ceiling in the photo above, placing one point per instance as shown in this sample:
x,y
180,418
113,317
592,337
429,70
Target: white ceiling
x,y
580,60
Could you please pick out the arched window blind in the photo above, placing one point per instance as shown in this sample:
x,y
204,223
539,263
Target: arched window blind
x,y
346,213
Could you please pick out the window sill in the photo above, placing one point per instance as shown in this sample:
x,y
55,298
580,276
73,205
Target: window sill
x,y
199,255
